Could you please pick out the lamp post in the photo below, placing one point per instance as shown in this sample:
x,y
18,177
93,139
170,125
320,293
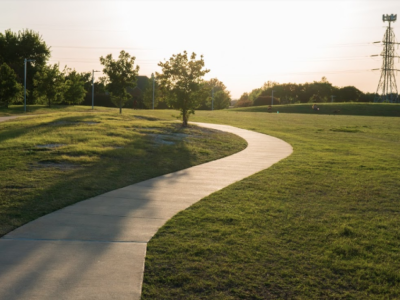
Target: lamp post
x,y
25,62
152,77
93,88
212,102
272,99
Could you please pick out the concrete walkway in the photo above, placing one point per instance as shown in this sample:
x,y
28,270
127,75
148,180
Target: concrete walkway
x,y
95,249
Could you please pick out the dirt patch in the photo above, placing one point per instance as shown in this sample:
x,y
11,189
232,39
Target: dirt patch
x,y
146,118
54,164
47,146
58,123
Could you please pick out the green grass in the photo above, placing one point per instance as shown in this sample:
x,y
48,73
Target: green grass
x,y
59,157
44,109
322,224
354,109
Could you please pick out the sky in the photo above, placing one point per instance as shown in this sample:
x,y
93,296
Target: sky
x,y
244,43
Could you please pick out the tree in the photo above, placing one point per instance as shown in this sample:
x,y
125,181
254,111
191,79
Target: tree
x,y
15,47
49,85
148,94
120,74
244,101
181,79
74,89
349,93
222,97
10,89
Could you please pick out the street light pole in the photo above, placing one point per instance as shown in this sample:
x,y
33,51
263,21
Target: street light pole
x,y
25,62
272,99
152,77
212,102
93,88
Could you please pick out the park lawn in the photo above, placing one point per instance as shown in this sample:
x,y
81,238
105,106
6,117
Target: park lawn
x,y
322,224
13,110
61,156
353,109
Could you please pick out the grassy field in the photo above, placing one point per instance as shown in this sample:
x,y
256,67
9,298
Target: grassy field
x,y
322,224
63,155
44,109
353,109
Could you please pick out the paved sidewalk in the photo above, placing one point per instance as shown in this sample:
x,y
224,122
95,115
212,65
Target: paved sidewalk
x,y
95,249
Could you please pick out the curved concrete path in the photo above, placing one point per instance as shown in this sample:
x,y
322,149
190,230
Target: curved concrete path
x,y
95,249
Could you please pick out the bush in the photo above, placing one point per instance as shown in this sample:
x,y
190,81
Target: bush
x,y
244,103
266,100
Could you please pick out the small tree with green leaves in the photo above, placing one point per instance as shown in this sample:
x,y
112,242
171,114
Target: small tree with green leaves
x,y
49,85
74,90
120,74
181,80
148,94
222,97
10,89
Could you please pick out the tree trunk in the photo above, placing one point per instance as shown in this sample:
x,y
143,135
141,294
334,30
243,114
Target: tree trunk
x,y
185,118
120,107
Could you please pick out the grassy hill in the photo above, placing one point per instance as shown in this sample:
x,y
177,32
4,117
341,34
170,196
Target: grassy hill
x,y
63,155
322,224
354,109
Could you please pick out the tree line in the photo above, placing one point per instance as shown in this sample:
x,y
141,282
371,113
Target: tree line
x,y
180,85
290,93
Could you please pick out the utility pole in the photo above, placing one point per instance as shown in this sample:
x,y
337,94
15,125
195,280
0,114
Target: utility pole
x,y
272,98
93,88
25,62
332,98
152,77
387,87
212,97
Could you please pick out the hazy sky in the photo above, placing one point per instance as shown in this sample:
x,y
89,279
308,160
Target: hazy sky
x,y
244,43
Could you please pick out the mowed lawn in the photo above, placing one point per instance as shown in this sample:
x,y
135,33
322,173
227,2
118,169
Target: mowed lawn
x,y
64,155
322,224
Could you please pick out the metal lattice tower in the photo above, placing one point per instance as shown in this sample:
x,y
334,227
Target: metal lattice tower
x,y
387,87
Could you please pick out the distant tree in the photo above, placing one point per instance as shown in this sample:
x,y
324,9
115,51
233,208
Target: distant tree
x,y
148,94
49,85
367,97
181,80
222,97
74,89
15,47
244,101
349,93
120,75
317,98
10,89
266,100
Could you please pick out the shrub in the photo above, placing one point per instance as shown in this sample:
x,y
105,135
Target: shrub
x,y
266,100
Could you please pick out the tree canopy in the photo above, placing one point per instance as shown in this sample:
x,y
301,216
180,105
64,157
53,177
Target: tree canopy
x,y
74,89
317,91
222,97
16,46
49,85
120,75
181,80
10,89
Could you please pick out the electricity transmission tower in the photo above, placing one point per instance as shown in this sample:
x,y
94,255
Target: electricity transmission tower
x,y
387,87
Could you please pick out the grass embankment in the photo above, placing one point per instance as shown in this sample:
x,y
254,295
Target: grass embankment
x,y
322,224
353,109
49,161
44,109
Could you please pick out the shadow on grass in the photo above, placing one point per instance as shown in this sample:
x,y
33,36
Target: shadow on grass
x,y
16,131
355,109
32,255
